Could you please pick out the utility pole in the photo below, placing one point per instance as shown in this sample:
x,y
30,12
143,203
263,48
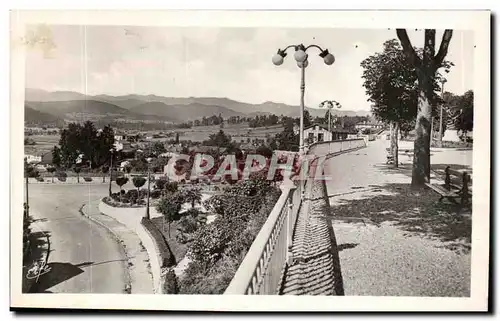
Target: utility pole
x,y
443,81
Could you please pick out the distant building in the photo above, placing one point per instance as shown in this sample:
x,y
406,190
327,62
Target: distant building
x,y
369,125
316,133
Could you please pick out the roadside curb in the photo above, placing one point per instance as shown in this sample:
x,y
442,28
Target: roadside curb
x,y
128,283
141,232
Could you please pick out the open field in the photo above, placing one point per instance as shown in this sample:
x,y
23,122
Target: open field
x,y
44,143
238,132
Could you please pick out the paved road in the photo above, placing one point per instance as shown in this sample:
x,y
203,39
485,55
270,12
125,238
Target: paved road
x,y
391,257
84,257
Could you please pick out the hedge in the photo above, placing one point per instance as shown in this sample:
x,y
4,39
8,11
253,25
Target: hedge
x,y
167,258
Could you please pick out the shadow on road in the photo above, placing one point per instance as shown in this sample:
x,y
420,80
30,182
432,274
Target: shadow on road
x,y
346,246
417,212
59,272
38,245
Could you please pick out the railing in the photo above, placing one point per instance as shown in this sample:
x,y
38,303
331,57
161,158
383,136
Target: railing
x,y
261,271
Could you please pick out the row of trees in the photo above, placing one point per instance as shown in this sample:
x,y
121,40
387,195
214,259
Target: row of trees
x,y
401,83
78,139
264,120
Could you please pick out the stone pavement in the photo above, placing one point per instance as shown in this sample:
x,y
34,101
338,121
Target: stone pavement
x,y
394,241
140,278
315,268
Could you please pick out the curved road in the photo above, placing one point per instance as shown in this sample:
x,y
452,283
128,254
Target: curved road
x,y
84,256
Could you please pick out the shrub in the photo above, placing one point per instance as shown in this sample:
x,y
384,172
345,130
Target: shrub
x,y
193,212
171,283
208,244
184,238
39,178
88,179
61,176
188,224
200,279
155,194
166,256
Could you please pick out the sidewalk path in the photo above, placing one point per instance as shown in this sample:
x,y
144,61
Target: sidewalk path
x,y
140,278
395,241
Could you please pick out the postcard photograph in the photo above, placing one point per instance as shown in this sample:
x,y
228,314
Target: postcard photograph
x,y
325,159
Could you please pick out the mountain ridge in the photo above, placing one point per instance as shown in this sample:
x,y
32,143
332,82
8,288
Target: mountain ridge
x,y
175,109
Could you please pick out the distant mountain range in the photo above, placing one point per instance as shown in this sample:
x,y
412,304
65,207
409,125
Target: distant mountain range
x,y
42,106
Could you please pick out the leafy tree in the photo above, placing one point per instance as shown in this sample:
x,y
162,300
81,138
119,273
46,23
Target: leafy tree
x,y
30,170
171,284
104,170
77,139
462,112
426,68
287,139
193,196
120,181
139,182
51,169
390,82
220,139
56,156
158,148
169,206
128,169
77,170
307,119
171,187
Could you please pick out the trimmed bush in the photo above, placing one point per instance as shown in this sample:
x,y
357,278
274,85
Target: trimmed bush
x,y
87,179
61,176
167,258
188,224
171,283
155,194
39,178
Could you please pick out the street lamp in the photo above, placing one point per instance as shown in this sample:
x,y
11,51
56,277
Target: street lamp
x,y
442,81
149,186
329,104
26,172
111,170
301,57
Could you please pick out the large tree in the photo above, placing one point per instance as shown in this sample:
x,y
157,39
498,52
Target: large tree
x,y
390,83
460,111
84,139
426,67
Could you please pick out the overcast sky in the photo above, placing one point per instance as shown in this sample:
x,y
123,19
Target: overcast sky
x,y
222,62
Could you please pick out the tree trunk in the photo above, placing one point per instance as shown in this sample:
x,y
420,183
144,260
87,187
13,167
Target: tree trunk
x,y
168,228
421,159
103,178
394,143
426,70
78,178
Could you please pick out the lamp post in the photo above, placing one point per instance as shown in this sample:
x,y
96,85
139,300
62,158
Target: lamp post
x,y
26,172
301,56
149,187
330,104
443,81
111,170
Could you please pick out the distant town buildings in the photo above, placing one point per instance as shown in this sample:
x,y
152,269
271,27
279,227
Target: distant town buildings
x,y
369,125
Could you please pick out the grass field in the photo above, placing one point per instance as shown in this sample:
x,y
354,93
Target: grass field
x,y
238,132
44,144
